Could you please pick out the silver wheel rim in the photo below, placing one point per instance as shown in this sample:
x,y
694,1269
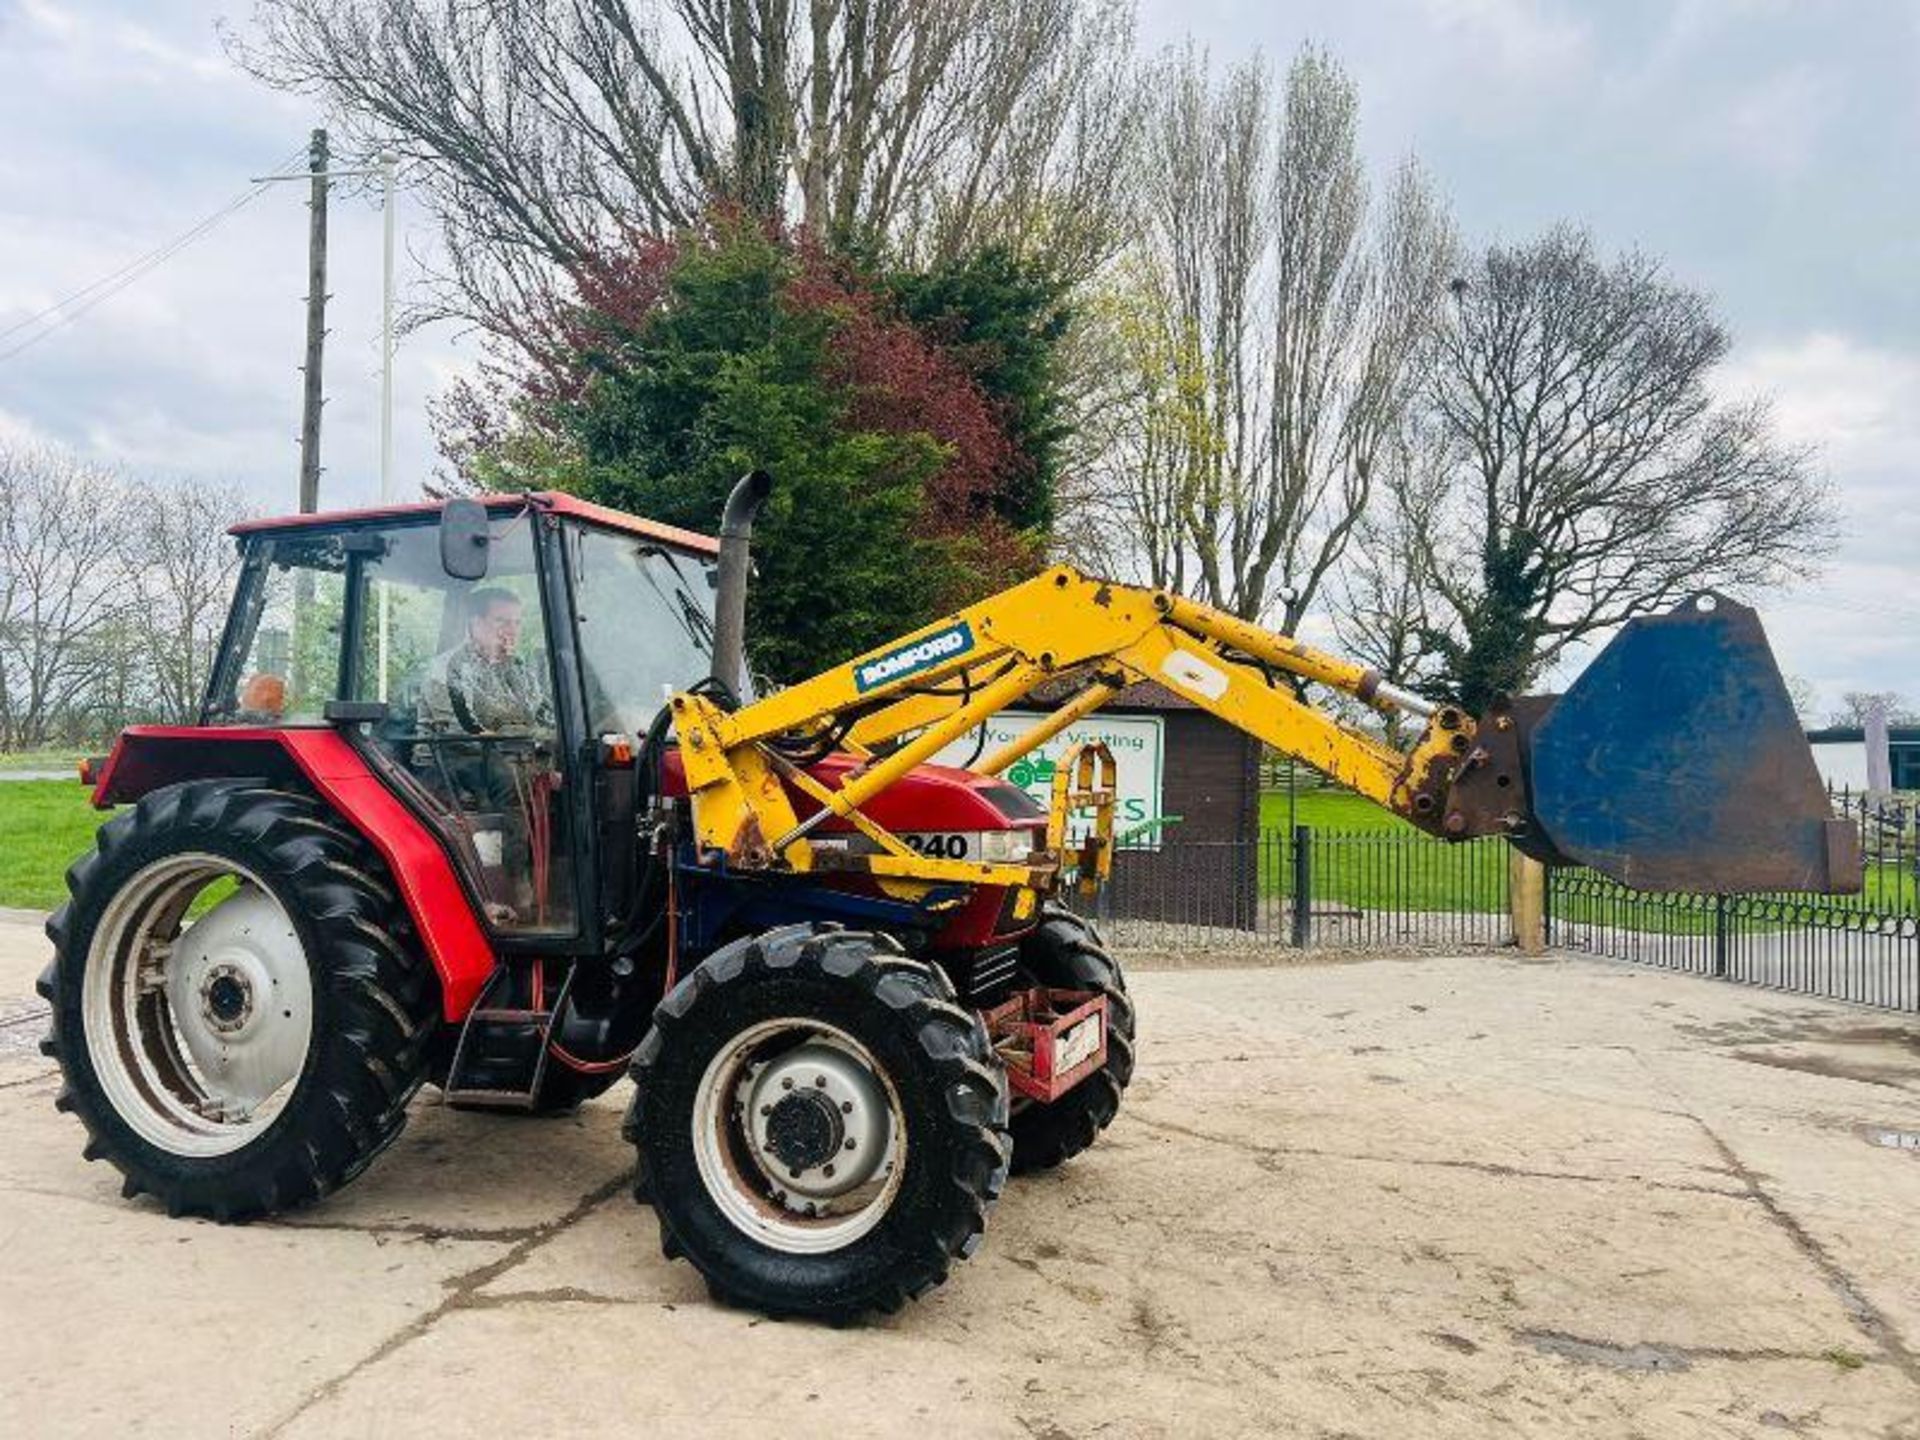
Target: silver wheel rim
x,y
198,1025
799,1136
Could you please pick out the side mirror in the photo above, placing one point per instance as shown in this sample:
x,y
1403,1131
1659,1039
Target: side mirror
x,y
464,537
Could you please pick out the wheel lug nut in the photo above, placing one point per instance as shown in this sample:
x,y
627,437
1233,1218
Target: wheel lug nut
x,y
828,1172
766,1109
821,1081
850,1145
846,1107
786,1082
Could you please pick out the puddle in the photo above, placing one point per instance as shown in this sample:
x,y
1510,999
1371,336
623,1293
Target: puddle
x,y
1892,1139
1642,1357
1900,1076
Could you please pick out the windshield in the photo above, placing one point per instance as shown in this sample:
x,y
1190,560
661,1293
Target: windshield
x,y
646,625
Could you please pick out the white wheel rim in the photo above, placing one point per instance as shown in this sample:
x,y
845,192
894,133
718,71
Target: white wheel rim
x,y
799,1136
198,1027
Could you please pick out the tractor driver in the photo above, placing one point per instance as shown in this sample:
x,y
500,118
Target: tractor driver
x,y
482,687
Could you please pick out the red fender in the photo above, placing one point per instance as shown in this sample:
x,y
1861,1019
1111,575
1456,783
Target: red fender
x,y
145,757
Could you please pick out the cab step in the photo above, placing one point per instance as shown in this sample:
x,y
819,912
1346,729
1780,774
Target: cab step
x,y
503,1052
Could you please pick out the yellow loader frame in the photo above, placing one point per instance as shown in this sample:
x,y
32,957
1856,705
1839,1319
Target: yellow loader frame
x,y
898,705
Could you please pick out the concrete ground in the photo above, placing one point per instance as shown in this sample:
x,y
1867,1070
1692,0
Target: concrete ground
x,y
1444,1197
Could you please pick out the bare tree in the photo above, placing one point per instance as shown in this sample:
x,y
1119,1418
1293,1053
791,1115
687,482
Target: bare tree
x,y
1383,583
1272,321
545,133
1856,705
63,581
1596,477
185,566
1804,698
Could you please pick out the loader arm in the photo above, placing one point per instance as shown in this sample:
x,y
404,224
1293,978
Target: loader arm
x,y
905,701
901,703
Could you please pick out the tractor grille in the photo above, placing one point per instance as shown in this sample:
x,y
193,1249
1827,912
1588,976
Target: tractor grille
x,y
992,971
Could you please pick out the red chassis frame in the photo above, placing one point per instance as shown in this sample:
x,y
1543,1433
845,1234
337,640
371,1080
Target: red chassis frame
x,y
1028,1028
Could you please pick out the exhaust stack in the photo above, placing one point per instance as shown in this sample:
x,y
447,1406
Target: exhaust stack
x,y
730,597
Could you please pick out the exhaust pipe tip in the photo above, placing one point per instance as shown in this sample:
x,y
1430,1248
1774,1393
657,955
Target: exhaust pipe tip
x,y
749,493
743,505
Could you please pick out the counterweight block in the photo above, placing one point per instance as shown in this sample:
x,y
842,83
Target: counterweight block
x,y
1676,762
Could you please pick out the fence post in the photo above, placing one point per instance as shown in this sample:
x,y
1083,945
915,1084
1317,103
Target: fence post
x,y
1719,937
1302,885
1527,901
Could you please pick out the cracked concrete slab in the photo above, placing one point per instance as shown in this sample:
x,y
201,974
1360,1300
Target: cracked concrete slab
x,y
1448,1197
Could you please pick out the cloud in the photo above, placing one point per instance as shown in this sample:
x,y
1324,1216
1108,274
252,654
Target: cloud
x,y
1858,628
1523,39
1777,126
1854,401
128,126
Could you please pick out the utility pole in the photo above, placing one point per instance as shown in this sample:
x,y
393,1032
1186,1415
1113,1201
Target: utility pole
x,y
313,399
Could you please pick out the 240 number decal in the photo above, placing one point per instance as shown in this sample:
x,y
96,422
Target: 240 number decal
x,y
941,845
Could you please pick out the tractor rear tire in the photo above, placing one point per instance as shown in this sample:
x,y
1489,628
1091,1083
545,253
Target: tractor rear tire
x,y
783,1056
1066,952
316,926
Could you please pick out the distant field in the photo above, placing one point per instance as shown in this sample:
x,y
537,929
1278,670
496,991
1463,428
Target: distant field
x,y
44,825
60,760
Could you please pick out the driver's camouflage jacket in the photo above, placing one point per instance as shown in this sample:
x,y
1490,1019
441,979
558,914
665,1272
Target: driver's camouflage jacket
x,y
463,691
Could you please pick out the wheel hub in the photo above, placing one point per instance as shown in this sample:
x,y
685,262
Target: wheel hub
x,y
237,983
226,998
804,1130
818,1124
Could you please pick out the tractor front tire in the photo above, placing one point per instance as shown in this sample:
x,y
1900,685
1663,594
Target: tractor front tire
x,y
821,1128
1067,953
305,998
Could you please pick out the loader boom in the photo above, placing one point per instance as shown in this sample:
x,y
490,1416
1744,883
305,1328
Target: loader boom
x,y
900,704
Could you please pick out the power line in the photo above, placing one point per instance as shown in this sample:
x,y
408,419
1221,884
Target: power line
x,y
64,312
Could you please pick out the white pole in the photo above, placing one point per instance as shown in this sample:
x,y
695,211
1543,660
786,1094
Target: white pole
x,y
386,334
386,382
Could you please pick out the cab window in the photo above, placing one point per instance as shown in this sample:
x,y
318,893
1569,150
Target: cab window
x,y
287,646
645,618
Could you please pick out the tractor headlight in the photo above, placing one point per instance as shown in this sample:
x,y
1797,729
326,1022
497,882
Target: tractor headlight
x,y
1005,847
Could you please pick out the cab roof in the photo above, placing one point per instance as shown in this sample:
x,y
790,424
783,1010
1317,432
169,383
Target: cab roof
x,y
552,501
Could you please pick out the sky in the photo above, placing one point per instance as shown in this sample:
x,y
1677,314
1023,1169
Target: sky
x,y
1764,149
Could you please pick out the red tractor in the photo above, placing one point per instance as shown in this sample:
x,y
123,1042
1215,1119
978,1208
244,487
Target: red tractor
x,y
477,800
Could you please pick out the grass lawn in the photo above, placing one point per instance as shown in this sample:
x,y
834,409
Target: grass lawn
x,y
1371,859
1328,809
44,826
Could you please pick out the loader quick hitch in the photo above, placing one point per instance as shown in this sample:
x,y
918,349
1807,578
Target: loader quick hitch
x,y
1085,779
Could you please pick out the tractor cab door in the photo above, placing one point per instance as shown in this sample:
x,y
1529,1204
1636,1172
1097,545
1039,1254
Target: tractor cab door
x,y
465,671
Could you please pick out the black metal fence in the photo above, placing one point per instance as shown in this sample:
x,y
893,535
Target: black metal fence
x,y
1864,948
1399,890
1372,889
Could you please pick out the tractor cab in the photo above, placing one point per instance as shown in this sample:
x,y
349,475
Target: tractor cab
x,y
490,660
